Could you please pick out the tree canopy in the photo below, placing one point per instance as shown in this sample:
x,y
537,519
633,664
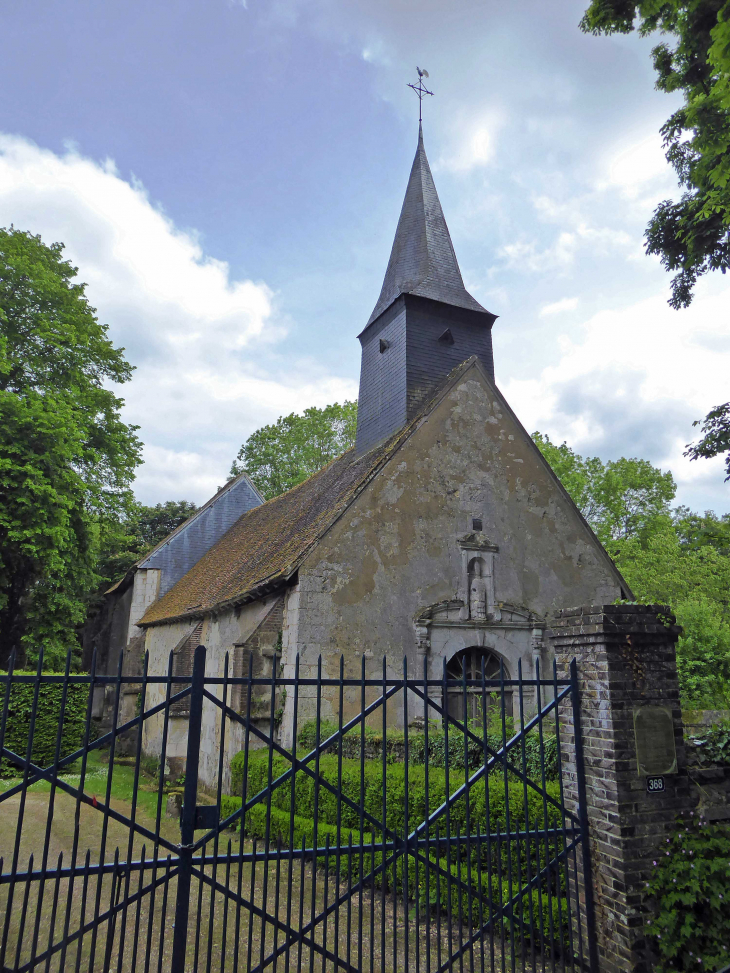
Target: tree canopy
x,y
279,456
66,457
620,498
668,556
123,542
691,236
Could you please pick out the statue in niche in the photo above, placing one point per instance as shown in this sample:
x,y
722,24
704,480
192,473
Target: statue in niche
x,y
477,592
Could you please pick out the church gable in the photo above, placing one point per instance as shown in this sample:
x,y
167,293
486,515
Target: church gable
x,y
467,487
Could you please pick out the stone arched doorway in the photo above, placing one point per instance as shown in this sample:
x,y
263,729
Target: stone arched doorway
x,y
469,663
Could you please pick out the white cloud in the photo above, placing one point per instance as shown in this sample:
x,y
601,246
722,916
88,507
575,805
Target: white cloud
x,y
471,143
633,166
566,304
201,384
632,381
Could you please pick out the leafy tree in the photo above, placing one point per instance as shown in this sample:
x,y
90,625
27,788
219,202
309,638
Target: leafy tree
x,y
700,530
123,542
691,236
674,557
619,499
716,438
66,457
279,456
694,579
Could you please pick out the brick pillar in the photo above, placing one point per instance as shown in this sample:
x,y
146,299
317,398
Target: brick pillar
x,y
626,660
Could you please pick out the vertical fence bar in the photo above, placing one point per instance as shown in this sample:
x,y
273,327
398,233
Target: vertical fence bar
x,y
216,838
224,935
244,797
51,807
383,811
315,826
105,813
546,819
158,815
82,909
583,819
292,806
361,820
426,762
21,809
302,874
566,868
252,901
133,810
485,758
77,813
338,852
406,850
187,818
267,826
449,910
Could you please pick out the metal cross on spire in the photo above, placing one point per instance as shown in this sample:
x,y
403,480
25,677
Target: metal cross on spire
x,y
420,89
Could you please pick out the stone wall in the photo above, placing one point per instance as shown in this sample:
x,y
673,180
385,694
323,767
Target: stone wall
x,y
395,552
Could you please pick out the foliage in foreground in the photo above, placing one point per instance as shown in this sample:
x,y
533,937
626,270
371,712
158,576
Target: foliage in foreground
x,y
712,748
690,236
715,440
690,888
66,458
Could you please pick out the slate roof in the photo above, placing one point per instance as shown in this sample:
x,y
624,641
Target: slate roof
x,y
268,543
422,260
176,553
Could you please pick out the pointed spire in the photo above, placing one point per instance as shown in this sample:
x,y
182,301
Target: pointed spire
x,y
422,260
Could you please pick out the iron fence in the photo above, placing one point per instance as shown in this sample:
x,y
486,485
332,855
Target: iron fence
x,y
356,822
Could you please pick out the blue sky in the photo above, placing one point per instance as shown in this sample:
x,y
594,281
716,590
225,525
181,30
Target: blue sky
x,y
228,178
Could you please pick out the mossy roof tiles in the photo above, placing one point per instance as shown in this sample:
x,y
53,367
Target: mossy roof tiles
x,y
266,545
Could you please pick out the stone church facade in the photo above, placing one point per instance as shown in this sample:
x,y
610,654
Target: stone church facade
x,y
443,538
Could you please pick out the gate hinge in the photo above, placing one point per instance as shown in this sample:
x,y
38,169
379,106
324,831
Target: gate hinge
x,y
206,816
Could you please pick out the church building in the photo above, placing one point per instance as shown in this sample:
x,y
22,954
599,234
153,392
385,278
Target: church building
x,y
442,538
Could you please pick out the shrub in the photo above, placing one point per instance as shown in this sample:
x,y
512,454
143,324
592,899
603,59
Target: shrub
x,y
433,891
395,746
503,800
691,883
46,721
713,748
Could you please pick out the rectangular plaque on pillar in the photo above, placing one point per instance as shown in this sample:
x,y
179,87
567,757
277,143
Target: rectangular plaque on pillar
x,y
656,753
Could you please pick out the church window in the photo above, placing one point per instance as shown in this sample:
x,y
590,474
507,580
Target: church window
x,y
384,345
447,338
469,705
476,524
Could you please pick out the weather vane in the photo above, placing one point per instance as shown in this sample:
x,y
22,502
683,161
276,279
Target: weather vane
x,y
420,89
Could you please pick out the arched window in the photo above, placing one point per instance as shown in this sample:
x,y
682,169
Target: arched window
x,y
469,662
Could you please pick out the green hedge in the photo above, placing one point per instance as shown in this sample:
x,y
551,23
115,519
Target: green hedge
x,y
395,746
46,722
493,884
500,797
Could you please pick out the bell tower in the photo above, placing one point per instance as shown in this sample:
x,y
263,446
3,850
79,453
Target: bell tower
x,y
424,323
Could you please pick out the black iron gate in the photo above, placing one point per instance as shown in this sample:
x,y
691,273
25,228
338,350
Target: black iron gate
x,y
361,825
